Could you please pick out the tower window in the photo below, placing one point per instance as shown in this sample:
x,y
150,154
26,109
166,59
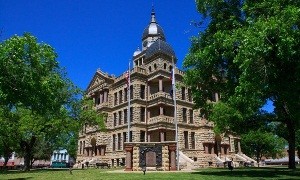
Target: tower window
x,y
184,118
142,95
191,116
142,114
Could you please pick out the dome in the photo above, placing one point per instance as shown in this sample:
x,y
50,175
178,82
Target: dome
x,y
153,29
160,46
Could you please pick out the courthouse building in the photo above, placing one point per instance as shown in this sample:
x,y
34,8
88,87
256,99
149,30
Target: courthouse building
x,y
151,112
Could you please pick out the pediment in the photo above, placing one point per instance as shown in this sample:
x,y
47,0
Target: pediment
x,y
99,79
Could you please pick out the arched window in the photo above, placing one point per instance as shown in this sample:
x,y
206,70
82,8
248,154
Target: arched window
x,y
155,66
170,68
165,66
150,69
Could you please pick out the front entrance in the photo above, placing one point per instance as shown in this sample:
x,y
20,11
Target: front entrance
x,y
159,156
150,156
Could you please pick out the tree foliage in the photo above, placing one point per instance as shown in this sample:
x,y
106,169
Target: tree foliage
x,y
259,143
35,91
249,53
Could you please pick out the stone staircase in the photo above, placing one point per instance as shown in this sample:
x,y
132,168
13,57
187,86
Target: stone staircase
x,y
185,162
246,159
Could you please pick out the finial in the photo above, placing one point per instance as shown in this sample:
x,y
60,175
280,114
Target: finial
x,y
153,14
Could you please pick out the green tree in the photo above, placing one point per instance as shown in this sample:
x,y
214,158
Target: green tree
x,y
35,90
259,143
249,53
7,134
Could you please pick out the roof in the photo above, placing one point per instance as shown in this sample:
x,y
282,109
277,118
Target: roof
x,y
159,46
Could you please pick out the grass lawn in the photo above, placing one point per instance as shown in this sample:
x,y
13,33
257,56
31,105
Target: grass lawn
x,y
210,174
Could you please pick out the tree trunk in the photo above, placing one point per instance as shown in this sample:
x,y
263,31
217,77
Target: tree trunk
x,y
258,157
5,162
27,149
291,141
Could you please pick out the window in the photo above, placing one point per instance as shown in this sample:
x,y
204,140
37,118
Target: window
x,y
183,93
120,97
131,114
142,136
98,100
83,147
130,136
131,92
125,94
191,116
119,141
155,66
142,92
190,95
150,69
115,119
184,118
116,99
124,139
193,140
143,114
125,116
186,139
170,68
80,147
165,66
120,117
114,142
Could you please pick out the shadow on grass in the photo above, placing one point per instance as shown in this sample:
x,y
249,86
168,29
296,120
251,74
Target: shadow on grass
x,y
252,172
35,171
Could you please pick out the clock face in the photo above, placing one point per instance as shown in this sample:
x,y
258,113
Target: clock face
x,y
145,43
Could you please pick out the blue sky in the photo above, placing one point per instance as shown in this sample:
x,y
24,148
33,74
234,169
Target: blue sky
x,y
98,34
91,34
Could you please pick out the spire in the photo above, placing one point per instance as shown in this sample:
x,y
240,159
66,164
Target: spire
x,y
153,20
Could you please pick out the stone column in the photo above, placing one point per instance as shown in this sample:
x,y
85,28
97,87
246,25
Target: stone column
x,y
222,149
161,110
160,85
128,149
148,90
101,97
172,152
149,136
239,146
162,136
206,148
102,151
105,96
